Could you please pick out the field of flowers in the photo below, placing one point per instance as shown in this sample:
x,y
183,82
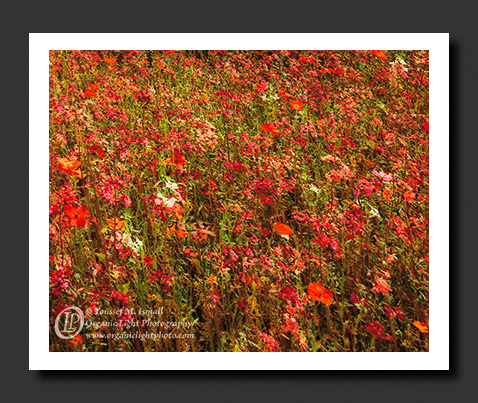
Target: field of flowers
x,y
240,200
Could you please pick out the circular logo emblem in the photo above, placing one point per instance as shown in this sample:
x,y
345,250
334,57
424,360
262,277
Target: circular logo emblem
x,y
69,322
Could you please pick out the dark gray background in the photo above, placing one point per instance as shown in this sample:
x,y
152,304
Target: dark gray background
x,y
22,385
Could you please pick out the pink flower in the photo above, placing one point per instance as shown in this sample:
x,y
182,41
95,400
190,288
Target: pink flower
x,y
382,286
271,342
214,295
125,316
382,175
290,324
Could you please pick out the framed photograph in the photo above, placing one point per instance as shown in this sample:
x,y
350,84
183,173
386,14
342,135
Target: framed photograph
x,y
239,194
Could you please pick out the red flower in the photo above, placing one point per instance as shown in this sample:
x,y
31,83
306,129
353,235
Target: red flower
x,y
320,293
93,86
78,215
380,54
284,94
90,93
96,149
109,60
77,340
282,228
241,304
148,262
269,128
376,328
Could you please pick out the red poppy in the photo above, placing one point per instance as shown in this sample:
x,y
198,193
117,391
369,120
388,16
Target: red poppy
x,y
97,150
109,60
93,86
90,93
282,229
304,59
320,293
380,54
297,105
77,340
269,128
78,215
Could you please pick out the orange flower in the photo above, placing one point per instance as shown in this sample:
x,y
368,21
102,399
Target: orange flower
x,y
77,340
116,223
68,166
90,93
284,94
423,327
320,293
110,59
261,87
177,158
78,173
148,261
282,229
178,210
380,54
93,86
180,233
297,105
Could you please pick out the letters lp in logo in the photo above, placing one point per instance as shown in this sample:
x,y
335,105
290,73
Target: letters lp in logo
x,y
69,322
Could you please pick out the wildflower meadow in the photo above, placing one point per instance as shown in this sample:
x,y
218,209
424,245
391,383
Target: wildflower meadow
x,y
239,201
